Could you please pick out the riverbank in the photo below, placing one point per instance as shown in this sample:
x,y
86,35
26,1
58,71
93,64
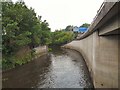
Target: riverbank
x,y
25,55
39,51
75,45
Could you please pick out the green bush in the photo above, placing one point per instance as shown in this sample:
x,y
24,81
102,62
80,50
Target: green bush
x,y
62,37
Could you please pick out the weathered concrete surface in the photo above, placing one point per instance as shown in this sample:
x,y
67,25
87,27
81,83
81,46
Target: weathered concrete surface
x,y
111,26
101,56
100,46
41,50
119,61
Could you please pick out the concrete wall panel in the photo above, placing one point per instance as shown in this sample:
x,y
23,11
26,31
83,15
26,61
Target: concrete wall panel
x,y
101,56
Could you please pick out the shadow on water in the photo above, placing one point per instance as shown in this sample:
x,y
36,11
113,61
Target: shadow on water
x,y
63,69
26,75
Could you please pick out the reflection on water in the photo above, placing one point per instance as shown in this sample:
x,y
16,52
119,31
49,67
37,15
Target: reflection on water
x,y
63,69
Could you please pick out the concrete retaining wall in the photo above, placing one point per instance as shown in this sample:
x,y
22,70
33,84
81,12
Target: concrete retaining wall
x,y
101,56
41,50
100,46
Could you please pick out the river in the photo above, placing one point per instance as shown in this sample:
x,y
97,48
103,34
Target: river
x,y
61,69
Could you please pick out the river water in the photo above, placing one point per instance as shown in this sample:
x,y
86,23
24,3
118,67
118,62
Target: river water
x,y
61,69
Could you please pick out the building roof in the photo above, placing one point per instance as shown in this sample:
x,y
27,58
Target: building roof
x,y
82,29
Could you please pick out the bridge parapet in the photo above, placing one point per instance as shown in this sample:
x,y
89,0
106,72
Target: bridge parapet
x,y
105,13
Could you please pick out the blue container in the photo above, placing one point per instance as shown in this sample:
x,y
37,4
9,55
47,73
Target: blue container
x,y
83,29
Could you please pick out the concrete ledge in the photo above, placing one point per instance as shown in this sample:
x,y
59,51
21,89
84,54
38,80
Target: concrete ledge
x,y
41,50
108,10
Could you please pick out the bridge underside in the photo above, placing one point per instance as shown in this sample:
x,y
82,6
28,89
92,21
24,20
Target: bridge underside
x,y
111,27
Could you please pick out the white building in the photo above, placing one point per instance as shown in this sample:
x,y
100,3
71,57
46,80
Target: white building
x,y
75,29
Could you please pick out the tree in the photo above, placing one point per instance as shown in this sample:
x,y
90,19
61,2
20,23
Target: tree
x,y
46,33
85,25
21,27
69,28
61,37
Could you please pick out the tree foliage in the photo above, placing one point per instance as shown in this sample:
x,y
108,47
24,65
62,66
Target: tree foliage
x,y
62,37
21,27
69,28
85,25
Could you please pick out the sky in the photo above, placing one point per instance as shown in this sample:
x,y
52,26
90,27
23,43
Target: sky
x,y
61,13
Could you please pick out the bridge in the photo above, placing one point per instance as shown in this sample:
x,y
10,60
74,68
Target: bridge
x,y
100,46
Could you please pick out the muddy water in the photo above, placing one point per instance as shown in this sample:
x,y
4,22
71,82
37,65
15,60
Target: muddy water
x,y
62,69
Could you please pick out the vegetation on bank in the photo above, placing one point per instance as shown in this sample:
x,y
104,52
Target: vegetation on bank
x,y
62,37
23,30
